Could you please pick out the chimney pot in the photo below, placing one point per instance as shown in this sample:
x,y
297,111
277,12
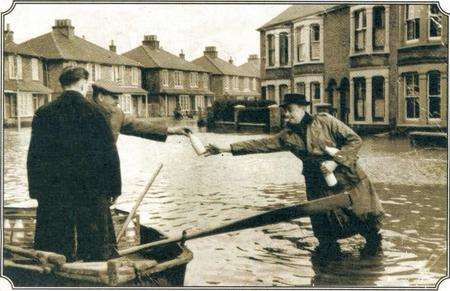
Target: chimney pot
x,y
210,51
151,41
112,47
8,34
64,26
182,55
230,60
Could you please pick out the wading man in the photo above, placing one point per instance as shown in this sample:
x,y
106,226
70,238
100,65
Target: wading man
x,y
74,173
325,145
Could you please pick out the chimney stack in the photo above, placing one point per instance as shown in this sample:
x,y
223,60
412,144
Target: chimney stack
x,y
112,47
151,41
8,34
210,51
182,55
230,60
253,58
64,26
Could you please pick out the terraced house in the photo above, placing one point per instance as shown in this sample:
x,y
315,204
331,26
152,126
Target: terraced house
x,y
379,66
61,47
23,81
172,82
227,80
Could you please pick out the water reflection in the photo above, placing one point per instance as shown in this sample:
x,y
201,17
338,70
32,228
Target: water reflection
x,y
194,192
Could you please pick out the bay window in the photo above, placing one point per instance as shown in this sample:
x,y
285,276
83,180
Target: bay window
x,y
378,98
411,90
434,94
359,98
315,42
271,49
412,16
284,49
435,21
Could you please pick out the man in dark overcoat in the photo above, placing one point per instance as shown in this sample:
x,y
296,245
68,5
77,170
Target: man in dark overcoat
x,y
324,144
73,172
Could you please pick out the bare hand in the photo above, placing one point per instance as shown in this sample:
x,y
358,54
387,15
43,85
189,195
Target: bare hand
x,y
212,149
328,167
179,131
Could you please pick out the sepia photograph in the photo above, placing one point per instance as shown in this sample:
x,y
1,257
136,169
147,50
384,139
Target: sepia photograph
x,y
224,144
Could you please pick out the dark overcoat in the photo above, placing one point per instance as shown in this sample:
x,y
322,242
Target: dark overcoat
x,y
73,171
366,211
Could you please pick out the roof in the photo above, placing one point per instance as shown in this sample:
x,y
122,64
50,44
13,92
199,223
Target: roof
x,y
218,66
13,48
297,11
115,87
253,68
26,86
55,45
159,58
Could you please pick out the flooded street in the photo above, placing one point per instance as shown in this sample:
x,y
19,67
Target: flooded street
x,y
197,192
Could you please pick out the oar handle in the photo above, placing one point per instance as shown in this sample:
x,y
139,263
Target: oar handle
x,y
138,202
270,217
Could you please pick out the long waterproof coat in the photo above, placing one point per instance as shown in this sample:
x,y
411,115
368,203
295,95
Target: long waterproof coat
x,y
366,212
73,171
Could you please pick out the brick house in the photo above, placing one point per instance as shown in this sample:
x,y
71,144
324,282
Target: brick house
x,y
23,81
171,81
227,80
362,59
61,47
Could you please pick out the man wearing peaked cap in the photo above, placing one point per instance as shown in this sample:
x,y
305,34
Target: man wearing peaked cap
x,y
325,145
106,95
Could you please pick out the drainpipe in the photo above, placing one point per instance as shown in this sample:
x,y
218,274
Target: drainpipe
x,y
17,94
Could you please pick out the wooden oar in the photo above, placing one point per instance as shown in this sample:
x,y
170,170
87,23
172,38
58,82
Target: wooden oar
x,y
138,202
269,217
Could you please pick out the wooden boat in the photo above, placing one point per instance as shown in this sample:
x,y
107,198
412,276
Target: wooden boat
x,y
24,266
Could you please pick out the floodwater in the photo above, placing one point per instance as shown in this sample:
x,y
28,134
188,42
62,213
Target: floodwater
x,y
194,193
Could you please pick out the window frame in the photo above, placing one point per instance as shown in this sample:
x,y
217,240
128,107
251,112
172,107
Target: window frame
x,y
382,28
416,25
312,41
364,95
429,96
417,97
34,69
383,90
360,17
314,85
438,14
194,80
271,50
283,49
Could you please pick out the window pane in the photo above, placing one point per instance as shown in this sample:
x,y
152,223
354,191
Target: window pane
x,y
378,99
300,88
284,46
434,83
412,107
435,107
359,98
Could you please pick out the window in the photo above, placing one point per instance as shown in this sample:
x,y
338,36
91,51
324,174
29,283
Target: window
x,y
122,74
184,103
359,98
270,92
284,49
378,99
165,78
15,67
300,88
315,90
271,49
205,81
412,95
125,103
378,36
25,104
178,79
98,72
434,94
360,30
226,82
283,90
34,69
134,76
199,102
435,21
236,83
254,84
315,42
91,70
412,22
301,43
116,74
246,84
194,79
